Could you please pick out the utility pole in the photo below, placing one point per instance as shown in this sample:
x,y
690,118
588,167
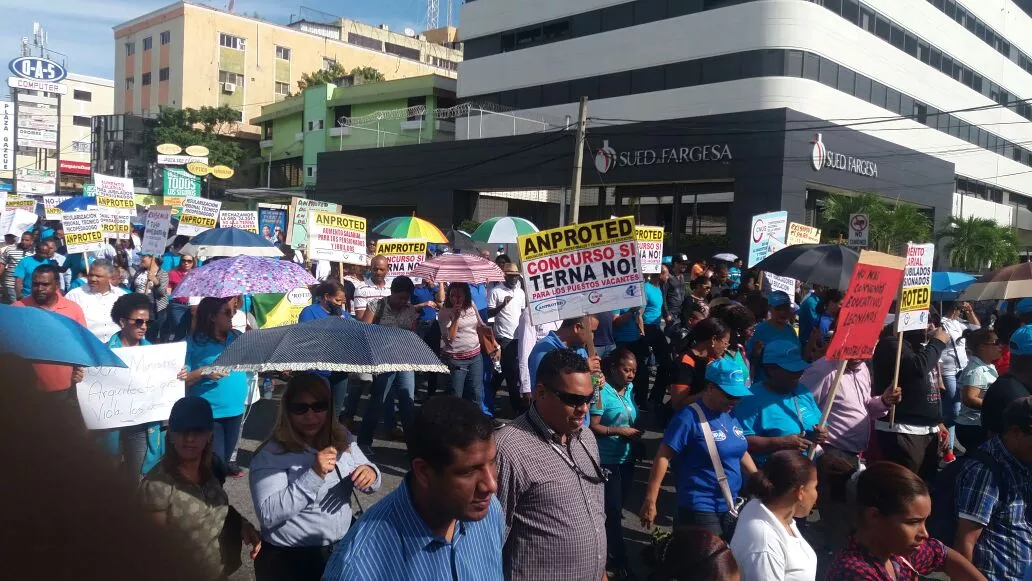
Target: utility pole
x,y
578,160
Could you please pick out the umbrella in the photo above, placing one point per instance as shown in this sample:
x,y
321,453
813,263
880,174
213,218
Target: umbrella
x,y
54,339
230,242
77,203
1009,282
333,344
726,257
460,240
503,230
947,286
410,227
829,265
459,268
241,275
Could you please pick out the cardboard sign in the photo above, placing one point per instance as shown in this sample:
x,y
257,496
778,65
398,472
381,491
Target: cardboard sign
x,y
114,225
859,230
115,194
871,291
16,221
581,269
916,297
800,234
297,230
772,225
337,237
403,254
199,214
242,219
82,231
272,219
650,248
155,230
116,397
50,206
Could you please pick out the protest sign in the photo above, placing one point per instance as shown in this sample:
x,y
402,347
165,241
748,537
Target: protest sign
x,y
15,222
114,225
297,230
336,237
650,248
115,194
89,191
179,185
403,254
801,234
581,269
199,214
155,230
772,225
272,219
916,298
242,219
82,231
117,397
21,203
278,309
776,282
871,291
50,206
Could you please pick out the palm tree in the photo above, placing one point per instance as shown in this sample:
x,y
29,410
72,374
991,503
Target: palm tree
x,y
975,243
837,209
900,224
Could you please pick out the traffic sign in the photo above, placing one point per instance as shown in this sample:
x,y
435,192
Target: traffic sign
x,y
859,230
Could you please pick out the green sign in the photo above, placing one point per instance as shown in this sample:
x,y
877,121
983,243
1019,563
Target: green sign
x,y
89,190
179,184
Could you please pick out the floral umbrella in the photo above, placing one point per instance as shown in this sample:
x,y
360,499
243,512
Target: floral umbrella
x,y
410,227
241,275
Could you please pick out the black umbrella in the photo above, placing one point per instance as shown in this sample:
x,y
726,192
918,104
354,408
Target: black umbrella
x,y
829,265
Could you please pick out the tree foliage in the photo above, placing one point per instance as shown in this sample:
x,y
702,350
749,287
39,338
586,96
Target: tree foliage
x,y
208,126
892,225
973,244
336,74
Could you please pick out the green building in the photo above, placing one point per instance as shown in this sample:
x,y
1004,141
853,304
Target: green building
x,y
335,118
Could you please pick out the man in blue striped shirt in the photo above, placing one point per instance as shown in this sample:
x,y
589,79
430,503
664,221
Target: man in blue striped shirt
x,y
444,521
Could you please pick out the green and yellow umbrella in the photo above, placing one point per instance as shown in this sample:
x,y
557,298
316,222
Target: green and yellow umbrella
x,y
410,227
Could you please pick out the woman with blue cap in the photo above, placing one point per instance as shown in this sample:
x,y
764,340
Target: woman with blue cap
x,y
711,451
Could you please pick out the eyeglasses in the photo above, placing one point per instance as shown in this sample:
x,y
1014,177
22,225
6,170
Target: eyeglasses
x,y
572,399
138,322
300,409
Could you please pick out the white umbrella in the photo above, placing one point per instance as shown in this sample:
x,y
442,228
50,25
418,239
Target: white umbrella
x,y
726,257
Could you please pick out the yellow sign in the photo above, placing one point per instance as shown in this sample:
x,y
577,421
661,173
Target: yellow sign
x,y
149,200
91,237
340,221
169,149
15,202
220,171
198,169
574,236
403,254
650,248
800,234
197,151
194,220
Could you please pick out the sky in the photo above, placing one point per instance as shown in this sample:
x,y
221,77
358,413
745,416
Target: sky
x,y
82,29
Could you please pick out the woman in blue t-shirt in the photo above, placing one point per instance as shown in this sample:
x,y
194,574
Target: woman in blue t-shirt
x,y
700,497
331,300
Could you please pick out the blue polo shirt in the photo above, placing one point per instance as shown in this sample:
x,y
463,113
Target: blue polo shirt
x,y
227,395
26,267
616,412
772,415
422,294
697,486
628,333
550,342
653,304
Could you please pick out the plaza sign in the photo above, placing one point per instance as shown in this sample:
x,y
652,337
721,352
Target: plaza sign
x,y
821,157
606,158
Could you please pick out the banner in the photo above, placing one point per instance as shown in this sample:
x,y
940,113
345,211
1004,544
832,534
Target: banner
x,y
115,194
297,231
82,231
581,269
16,221
337,237
871,291
403,254
801,234
7,153
277,309
114,225
199,214
916,297
155,230
116,397
272,219
50,208
179,185
765,227
650,248
239,219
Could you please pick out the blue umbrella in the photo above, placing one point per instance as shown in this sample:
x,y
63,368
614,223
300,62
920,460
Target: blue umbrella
x,y
77,203
230,242
53,339
947,286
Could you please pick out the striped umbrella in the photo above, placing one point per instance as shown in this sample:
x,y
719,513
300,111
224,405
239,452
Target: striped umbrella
x,y
459,268
230,242
332,344
503,230
410,227
241,275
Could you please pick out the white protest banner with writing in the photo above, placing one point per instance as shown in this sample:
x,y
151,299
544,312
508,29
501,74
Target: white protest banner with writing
x,y
115,194
800,234
297,228
650,248
114,224
241,219
337,237
17,221
779,283
50,206
117,397
199,214
155,230
82,231
769,226
916,298
403,254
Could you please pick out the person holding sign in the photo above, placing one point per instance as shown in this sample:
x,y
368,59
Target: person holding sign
x,y
97,299
152,282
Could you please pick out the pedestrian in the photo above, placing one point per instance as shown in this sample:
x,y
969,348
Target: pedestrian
x,y
302,479
178,321
331,301
741,322
1013,385
428,297
984,350
767,544
629,332
184,492
691,554
506,303
10,256
711,452
673,290
226,392
701,287
1005,326
152,282
460,343
652,317
527,337
777,327
808,315
44,254
709,340
572,334
97,298
443,522
957,318
375,288
890,541
734,275
550,479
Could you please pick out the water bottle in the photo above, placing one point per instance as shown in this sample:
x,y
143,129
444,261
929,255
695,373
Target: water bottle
x,y
498,366
267,388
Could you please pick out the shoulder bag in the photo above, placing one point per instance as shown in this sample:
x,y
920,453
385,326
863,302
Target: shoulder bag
x,y
718,468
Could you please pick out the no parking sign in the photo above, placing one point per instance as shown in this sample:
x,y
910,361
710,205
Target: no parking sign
x,y
859,230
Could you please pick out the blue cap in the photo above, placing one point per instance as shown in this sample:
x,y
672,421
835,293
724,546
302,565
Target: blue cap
x,y
787,355
191,414
778,299
1021,341
729,377
1024,307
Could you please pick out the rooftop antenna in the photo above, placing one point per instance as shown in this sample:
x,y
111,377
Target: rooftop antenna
x,y
433,11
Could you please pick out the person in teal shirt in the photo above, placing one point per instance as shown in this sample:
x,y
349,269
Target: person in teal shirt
x,y
780,414
777,327
808,316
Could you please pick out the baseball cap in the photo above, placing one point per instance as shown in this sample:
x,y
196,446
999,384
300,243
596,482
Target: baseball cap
x,y
787,355
729,377
191,414
1021,341
778,299
1024,307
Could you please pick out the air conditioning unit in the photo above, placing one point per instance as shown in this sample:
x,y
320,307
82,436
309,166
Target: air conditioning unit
x,y
229,87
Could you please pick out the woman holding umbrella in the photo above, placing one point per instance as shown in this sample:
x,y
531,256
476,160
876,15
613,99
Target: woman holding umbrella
x,y
460,342
177,326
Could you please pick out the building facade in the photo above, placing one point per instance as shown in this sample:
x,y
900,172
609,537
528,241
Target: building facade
x,y
190,55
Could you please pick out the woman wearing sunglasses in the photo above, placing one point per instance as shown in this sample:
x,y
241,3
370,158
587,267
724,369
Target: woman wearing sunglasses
x,y
177,324
302,478
984,348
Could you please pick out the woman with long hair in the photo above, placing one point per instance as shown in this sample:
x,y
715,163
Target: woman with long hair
x,y
707,342
891,542
183,492
460,343
691,554
984,351
767,544
741,322
302,478
177,323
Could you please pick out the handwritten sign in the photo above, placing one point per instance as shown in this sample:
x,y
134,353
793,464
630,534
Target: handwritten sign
x,y
50,206
800,234
199,214
82,231
772,225
336,237
776,282
403,254
114,224
155,230
115,397
241,219
16,221
862,317
115,194
916,297
650,248
297,229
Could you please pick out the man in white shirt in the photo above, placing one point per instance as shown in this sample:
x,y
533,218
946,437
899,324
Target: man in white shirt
x,y
953,360
506,303
96,299
375,288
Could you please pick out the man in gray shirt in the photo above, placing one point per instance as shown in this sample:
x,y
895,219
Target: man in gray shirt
x,y
673,290
550,481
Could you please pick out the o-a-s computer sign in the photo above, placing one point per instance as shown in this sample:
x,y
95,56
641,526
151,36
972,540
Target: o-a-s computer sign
x,y
36,68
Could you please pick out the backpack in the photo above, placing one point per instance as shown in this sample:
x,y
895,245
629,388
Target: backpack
x,y
942,524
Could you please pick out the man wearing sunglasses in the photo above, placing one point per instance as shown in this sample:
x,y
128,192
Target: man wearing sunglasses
x,y
550,481
97,299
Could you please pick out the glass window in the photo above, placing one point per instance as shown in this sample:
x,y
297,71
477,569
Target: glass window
x,y
283,53
145,79
811,66
508,41
81,121
882,28
556,94
130,48
166,37
863,87
951,8
851,11
892,100
924,53
148,43
846,80
910,45
968,77
957,69
867,19
82,95
897,37
983,138
977,84
834,5
921,113
528,98
614,85
584,88
648,80
721,68
942,122
793,63
646,11
906,105
619,16
556,31
956,125
772,63
686,74
980,30
230,41
947,64
829,73
878,92
936,59
587,23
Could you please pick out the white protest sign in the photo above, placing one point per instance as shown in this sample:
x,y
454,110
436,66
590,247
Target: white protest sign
x,y
115,194
82,231
244,220
916,297
199,214
779,283
859,230
17,221
769,226
116,397
297,229
650,248
50,206
403,254
337,237
155,230
114,224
